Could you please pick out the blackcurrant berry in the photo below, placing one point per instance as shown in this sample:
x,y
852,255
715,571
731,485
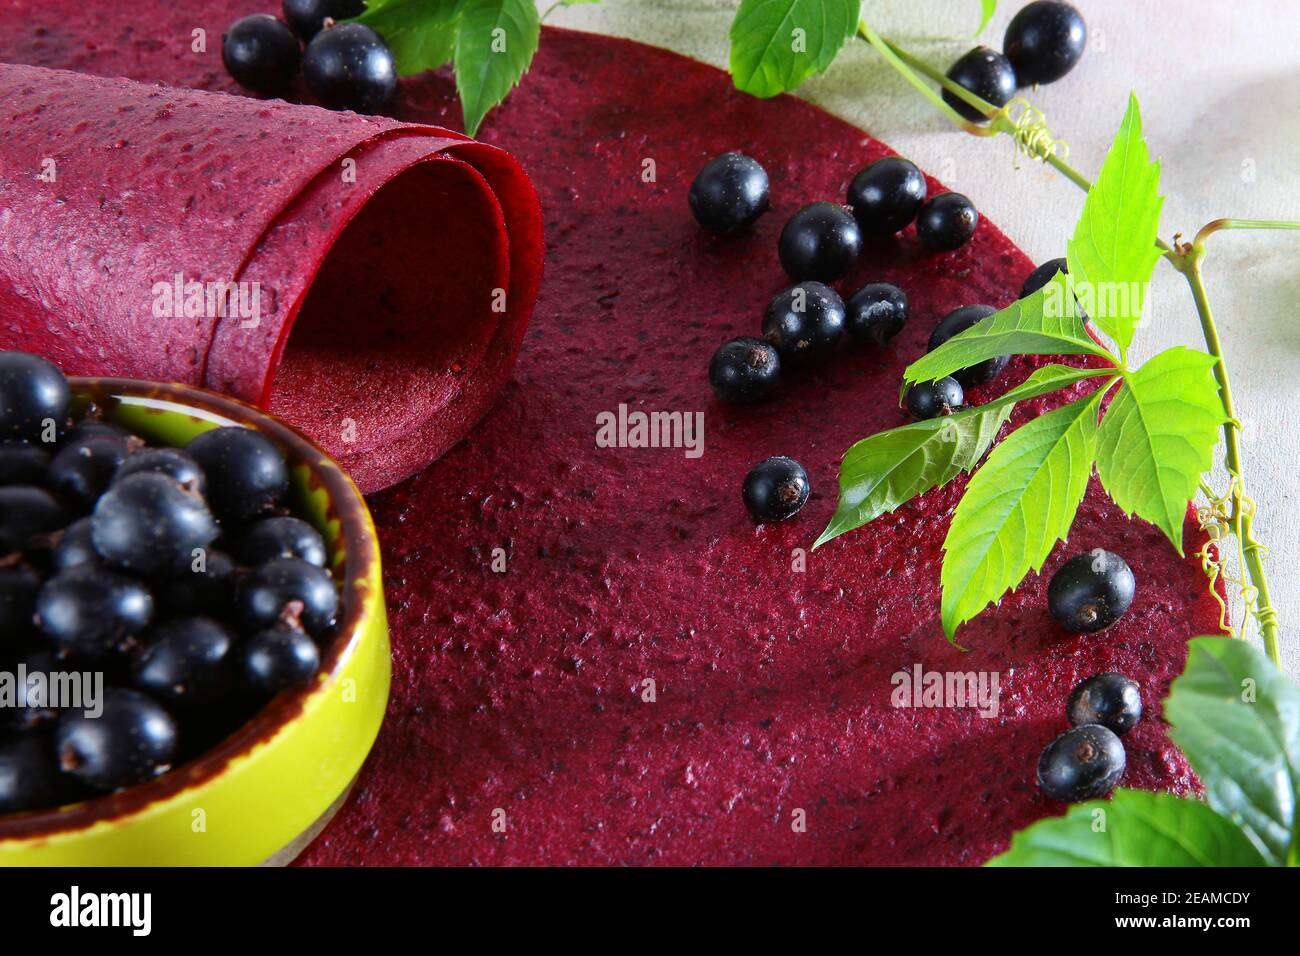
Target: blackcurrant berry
x,y
36,710
1091,591
148,524
289,590
876,313
75,546
819,242
260,53
1041,276
729,193
19,585
84,468
1044,41
1109,699
744,370
133,740
349,67
946,222
932,399
959,320
33,395
886,195
775,489
185,661
29,774
89,612
277,658
25,512
23,464
245,472
1081,764
804,322
282,537
172,462
986,73
206,587
306,17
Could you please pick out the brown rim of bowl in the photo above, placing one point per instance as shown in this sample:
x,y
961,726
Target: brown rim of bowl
x,y
345,503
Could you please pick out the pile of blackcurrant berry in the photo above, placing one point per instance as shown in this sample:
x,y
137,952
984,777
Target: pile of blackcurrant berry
x,y
1043,42
179,575
347,66
1088,760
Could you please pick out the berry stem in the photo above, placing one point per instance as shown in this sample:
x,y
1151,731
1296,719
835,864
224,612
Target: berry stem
x,y
902,60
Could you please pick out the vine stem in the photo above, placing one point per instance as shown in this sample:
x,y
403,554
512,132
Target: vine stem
x,y
1185,258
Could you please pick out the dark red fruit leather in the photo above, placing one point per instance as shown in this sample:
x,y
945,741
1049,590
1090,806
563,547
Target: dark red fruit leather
x,y
518,697
377,333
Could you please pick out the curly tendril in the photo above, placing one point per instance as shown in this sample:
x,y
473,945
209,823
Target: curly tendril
x,y
1030,132
1220,518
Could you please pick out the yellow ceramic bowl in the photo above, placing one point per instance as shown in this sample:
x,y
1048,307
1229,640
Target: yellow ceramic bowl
x,y
267,783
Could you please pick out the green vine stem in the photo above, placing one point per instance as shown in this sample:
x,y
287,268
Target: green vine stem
x,y
1186,258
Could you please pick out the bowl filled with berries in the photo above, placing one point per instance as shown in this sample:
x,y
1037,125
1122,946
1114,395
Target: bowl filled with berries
x,y
194,655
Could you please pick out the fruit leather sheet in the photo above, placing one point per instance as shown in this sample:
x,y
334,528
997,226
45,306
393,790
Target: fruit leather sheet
x,y
366,279
521,729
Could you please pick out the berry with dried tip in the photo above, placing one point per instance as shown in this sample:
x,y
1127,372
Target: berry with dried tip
x,y
133,740
172,462
819,242
282,537
933,399
83,468
349,67
246,474
89,612
729,193
33,396
775,489
1083,763
1091,591
288,590
886,195
1109,699
307,17
744,370
986,73
1044,41
876,313
804,321
957,321
260,53
150,525
946,222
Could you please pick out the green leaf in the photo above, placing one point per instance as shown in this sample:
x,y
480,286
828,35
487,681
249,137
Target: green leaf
x,y
990,8
1237,718
495,44
887,469
777,44
1134,828
1158,438
1044,323
1113,251
1018,505
421,33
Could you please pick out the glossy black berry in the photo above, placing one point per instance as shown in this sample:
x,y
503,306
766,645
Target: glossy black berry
x,y
90,612
804,321
775,489
876,313
729,193
959,320
819,242
282,537
34,395
35,710
1109,699
1042,275
886,195
350,67
245,472
1044,41
74,545
986,73
306,17
206,587
26,512
149,525
132,741
185,661
744,370
29,774
932,399
288,590
177,465
1081,764
277,658
1091,591
23,464
946,222
83,468
19,585
260,53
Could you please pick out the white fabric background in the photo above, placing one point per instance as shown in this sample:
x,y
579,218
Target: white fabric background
x,y
1219,85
